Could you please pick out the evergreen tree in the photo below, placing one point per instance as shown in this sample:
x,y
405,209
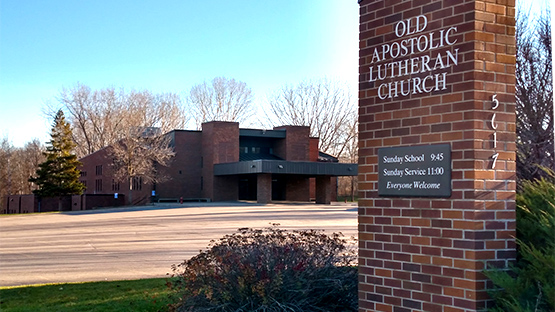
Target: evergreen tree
x,y
58,175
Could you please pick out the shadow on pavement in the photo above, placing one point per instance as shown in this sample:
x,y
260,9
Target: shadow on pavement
x,y
160,206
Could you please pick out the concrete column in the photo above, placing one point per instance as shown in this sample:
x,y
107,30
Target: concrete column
x,y
264,188
323,190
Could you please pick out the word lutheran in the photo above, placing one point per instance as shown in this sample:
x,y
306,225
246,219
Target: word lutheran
x,y
386,65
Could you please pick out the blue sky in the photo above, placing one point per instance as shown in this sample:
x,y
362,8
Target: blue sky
x,y
165,46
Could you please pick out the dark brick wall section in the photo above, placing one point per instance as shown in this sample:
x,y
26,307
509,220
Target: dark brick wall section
x,y
323,190
97,175
313,149
297,188
220,144
264,188
93,201
427,254
185,170
19,204
31,203
296,146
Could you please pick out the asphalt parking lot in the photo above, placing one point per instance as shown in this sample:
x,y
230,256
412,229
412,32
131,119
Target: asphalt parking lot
x,y
140,242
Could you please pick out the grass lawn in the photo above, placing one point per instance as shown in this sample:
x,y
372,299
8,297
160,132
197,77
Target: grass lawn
x,y
137,295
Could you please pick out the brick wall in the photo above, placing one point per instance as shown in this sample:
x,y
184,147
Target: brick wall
x,y
19,204
297,188
185,170
97,175
31,203
427,254
96,172
296,146
220,144
47,204
264,188
93,201
313,154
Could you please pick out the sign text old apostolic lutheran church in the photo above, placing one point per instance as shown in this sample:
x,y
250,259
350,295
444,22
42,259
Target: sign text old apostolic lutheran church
x,y
412,39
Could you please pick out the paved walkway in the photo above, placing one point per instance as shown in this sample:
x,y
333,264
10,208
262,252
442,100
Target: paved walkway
x,y
140,242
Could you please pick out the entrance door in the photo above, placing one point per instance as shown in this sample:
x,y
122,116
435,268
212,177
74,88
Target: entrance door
x,y
278,187
247,187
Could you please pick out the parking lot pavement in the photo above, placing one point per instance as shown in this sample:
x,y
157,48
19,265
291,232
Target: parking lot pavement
x,y
140,242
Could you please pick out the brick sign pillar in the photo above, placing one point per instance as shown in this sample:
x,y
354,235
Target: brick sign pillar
x,y
438,74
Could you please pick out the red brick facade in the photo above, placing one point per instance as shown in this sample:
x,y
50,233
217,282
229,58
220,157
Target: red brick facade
x,y
186,169
296,146
191,174
220,144
17,204
97,175
457,58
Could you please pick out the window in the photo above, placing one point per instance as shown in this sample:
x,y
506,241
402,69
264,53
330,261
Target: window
x,y
83,173
115,185
247,149
98,185
137,183
99,170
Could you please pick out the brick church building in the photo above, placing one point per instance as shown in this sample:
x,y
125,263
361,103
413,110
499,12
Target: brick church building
x,y
223,162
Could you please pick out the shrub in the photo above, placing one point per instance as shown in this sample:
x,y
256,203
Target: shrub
x,y
529,285
535,213
270,270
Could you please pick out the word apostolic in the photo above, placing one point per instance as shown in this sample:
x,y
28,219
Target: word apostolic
x,y
419,43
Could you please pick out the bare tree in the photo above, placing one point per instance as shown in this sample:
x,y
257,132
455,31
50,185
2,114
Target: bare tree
x,y
130,124
222,99
102,117
95,116
348,185
17,164
534,95
6,154
137,157
25,164
325,105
